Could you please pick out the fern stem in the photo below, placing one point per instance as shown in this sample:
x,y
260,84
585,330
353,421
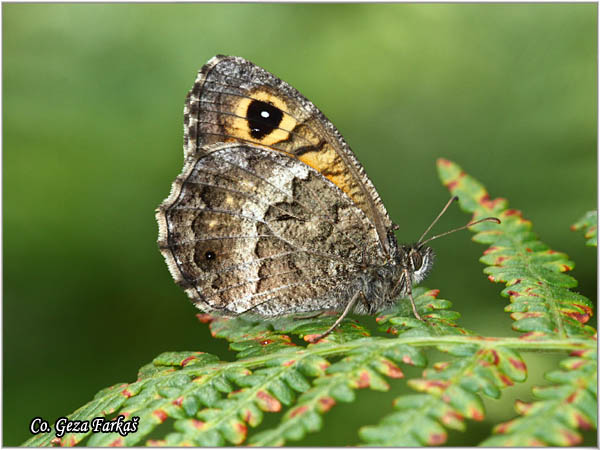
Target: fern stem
x,y
325,349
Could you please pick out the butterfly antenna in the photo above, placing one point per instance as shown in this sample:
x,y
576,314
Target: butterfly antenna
x,y
454,198
420,242
470,224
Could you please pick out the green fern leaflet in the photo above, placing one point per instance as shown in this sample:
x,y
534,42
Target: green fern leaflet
x,y
589,224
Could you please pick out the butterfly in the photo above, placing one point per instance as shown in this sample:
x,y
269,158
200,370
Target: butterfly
x,y
272,213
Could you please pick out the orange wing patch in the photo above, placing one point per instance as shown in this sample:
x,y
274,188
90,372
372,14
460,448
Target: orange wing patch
x,y
327,161
268,119
243,130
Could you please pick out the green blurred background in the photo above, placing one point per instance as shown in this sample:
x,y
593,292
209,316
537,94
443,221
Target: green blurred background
x,y
93,100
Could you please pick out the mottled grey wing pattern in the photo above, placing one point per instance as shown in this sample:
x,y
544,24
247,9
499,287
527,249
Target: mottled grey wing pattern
x,y
234,100
249,229
272,214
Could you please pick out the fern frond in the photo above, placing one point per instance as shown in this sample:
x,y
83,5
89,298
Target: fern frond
x,y
562,409
440,320
213,402
451,394
540,295
589,224
362,368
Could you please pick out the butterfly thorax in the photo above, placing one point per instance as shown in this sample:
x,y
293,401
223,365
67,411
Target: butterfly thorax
x,y
383,285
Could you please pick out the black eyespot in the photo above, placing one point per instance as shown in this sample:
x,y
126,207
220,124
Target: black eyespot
x,y
210,255
262,118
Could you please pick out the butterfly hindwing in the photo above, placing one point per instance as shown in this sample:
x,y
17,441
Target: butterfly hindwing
x,y
246,229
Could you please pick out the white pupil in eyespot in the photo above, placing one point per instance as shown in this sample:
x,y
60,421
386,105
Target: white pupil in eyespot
x,y
264,114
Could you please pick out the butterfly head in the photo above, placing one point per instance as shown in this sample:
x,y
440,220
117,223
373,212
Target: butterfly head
x,y
417,260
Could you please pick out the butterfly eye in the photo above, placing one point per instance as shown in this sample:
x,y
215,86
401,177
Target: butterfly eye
x,y
417,260
262,118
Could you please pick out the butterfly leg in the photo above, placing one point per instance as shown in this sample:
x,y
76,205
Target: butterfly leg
x,y
412,300
339,320
312,316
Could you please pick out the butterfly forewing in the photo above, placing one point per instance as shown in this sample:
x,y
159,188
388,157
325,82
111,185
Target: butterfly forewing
x,y
233,100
